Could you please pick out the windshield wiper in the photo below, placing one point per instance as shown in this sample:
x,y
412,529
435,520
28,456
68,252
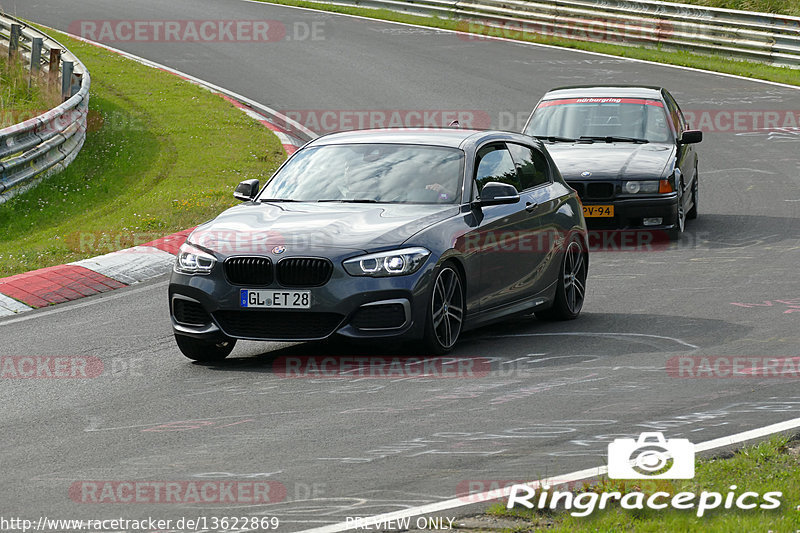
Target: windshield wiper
x,y
554,139
277,200
613,139
354,201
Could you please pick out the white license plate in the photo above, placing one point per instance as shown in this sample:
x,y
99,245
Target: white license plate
x,y
275,299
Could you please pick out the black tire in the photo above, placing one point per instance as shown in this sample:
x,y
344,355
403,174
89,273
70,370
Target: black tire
x,y
680,220
446,307
205,351
692,214
571,289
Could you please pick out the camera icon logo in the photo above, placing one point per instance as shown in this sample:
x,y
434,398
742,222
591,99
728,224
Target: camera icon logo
x,y
651,457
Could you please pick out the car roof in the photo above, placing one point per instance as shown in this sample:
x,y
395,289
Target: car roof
x,y
619,91
448,137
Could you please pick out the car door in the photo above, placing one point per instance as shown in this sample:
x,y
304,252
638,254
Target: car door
x,y
685,156
541,203
502,237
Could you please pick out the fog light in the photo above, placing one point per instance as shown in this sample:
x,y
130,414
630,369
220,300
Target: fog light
x,y
652,221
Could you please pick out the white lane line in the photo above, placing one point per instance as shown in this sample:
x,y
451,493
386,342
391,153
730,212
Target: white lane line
x,y
506,39
588,473
597,334
97,298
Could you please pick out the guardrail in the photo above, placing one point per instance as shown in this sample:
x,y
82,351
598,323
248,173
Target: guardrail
x,y
762,37
47,143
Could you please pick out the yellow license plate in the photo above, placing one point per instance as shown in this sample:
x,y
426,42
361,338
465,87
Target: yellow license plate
x,y
598,210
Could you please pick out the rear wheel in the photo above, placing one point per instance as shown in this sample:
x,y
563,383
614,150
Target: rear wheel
x,y
571,288
445,310
205,351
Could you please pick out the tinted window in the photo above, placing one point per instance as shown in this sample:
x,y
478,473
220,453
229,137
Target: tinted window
x,y
675,112
573,118
531,166
378,172
495,164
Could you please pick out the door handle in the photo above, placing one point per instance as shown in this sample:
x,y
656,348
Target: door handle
x,y
529,207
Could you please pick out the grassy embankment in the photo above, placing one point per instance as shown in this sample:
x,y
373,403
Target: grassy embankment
x,y
160,155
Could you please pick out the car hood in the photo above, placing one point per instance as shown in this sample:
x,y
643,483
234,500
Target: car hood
x,y
305,227
611,160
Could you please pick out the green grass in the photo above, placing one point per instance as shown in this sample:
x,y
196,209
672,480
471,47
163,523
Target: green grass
x,y
161,155
773,465
782,7
713,63
22,95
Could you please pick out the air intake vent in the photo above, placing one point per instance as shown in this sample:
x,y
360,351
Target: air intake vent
x,y
387,316
278,325
304,271
599,191
189,313
252,271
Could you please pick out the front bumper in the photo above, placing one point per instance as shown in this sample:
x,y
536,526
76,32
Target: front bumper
x,y
208,307
630,212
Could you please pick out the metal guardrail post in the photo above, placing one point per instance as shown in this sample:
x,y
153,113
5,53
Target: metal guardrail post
x,y
66,79
55,60
75,83
36,148
13,40
36,55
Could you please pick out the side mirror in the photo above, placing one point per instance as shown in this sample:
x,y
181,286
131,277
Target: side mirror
x,y
495,193
246,190
691,137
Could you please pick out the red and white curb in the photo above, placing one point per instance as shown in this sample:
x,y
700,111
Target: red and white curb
x,y
64,283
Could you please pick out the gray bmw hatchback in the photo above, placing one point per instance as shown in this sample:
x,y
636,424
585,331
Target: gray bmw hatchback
x,y
385,234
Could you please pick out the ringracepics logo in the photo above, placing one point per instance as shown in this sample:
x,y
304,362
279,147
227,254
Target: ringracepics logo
x,y
650,457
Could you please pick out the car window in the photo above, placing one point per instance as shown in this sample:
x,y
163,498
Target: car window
x,y
675,115
495,164
572,118
531,166
381,172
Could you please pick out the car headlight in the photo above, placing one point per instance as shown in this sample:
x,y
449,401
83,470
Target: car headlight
x,y
192,260
640,187
391,263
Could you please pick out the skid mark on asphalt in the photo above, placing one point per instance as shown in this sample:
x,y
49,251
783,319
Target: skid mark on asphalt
x,y
181,425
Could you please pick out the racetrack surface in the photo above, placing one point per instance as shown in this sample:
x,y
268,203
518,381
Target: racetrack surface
x,y
557,393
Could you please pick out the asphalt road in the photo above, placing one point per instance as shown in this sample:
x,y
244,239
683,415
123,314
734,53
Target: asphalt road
x,y
556,394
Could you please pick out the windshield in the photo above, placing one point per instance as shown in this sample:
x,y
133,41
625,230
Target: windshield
x,y
598,118
391,173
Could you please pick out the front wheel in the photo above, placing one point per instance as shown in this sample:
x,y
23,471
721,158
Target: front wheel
x,y
445,316
692,214
205,351
571,288
680,221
